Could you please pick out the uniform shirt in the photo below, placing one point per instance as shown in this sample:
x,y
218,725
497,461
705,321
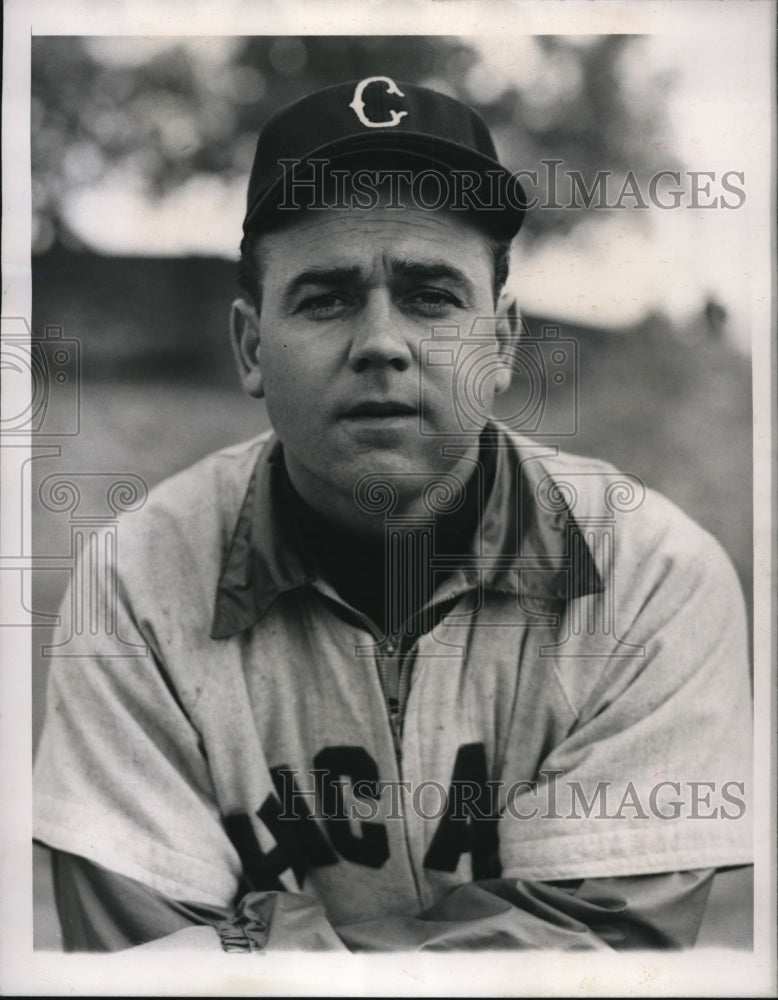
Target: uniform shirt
x,y
581,710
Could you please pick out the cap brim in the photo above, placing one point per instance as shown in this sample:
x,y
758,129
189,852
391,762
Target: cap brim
x,y
502,213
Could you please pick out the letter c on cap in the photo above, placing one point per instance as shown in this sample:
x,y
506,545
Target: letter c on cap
x,y
359,105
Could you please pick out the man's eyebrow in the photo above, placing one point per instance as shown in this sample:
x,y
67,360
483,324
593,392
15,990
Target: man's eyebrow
x,y
418,270
319,276
432,270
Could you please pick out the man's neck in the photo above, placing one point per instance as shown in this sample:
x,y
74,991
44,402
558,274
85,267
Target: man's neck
x,y
367,518
374,576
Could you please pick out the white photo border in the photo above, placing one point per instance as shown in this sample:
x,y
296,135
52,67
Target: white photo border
x,y
716,972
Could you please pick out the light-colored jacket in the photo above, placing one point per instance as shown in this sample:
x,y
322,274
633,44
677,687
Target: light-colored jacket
x,y
582,709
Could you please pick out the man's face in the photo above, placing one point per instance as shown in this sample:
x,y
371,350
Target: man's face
x,y
349,298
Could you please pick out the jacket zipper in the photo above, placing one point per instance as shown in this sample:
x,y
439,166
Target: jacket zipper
x,y
395,684
393,673
369,627
395,697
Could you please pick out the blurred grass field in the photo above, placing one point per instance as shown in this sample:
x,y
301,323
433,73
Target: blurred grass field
x,y
670,406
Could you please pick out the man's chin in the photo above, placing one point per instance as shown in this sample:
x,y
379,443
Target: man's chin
x,y
427,463
391,483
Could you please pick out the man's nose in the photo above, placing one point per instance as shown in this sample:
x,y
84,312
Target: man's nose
x,y
378,337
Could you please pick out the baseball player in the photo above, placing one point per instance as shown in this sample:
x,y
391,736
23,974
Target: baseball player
x,y
405,678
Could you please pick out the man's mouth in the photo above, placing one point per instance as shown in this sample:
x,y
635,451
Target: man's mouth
x,y
380,408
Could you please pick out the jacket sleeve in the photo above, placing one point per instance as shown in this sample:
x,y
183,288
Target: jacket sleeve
x,y
662,911
654,771
102,911
121,772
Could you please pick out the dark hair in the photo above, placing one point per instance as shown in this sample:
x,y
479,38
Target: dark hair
x,y
250,266
249,279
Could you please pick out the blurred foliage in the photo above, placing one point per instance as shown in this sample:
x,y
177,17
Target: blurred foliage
x,y
162,110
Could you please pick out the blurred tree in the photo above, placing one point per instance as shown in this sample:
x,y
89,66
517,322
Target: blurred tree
x,y
162,110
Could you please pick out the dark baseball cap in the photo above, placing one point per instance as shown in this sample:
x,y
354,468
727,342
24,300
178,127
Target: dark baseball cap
x,y
379,121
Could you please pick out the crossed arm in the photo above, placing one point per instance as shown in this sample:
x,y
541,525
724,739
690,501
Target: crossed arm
x,y
101,910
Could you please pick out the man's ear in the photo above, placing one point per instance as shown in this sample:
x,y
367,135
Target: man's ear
x,y
244,336
508,330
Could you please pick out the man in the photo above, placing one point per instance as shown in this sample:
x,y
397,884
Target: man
x,y
410,680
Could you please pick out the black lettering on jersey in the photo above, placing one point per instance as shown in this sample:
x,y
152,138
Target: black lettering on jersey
x,y
469,824
356,764
300,844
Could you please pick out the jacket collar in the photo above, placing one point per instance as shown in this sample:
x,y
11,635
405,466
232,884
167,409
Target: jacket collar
x,y
526,548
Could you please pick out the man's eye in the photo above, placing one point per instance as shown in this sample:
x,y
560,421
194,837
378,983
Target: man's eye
x,y
432,301
326,306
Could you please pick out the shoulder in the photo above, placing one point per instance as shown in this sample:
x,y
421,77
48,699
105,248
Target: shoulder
x,y
188,518
650,539
671,606
217,482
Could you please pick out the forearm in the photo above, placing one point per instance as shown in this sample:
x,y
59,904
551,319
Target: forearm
x,y
99,910
649,911
102,911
